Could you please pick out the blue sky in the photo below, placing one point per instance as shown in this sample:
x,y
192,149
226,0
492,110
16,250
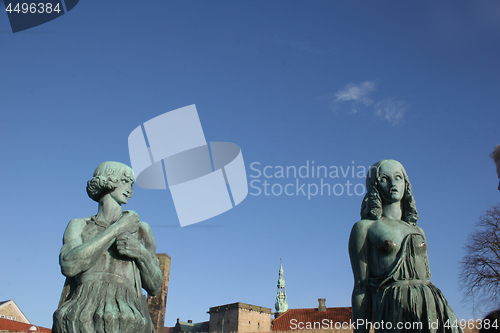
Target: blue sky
x,y
291,82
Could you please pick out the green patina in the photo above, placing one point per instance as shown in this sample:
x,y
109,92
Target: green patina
x,y
108,259
388,251
281,305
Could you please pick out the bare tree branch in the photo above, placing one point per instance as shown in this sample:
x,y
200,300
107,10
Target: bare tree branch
x,y
480,276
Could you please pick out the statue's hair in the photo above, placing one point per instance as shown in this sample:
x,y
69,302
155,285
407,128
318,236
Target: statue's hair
x,y
495,155
106,178
371,208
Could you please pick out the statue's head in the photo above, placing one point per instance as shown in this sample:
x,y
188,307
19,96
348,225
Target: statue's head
x,y
107,177
371,208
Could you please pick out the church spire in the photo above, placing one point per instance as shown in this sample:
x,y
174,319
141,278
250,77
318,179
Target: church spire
x,y
281,305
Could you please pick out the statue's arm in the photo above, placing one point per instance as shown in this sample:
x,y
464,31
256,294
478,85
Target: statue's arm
x,y
76,256
148,263
361,298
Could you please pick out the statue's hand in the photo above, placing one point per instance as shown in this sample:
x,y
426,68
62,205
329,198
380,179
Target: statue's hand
x,y
128,222
129,245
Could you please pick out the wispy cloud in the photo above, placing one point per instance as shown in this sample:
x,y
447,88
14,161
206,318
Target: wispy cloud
x,y
391,109
351,97
356,97
357,93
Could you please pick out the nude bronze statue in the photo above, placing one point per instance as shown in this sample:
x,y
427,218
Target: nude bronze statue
x,y
388,251
108,259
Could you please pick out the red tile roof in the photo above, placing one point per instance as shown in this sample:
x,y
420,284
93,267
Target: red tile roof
x,y
298,318
7,325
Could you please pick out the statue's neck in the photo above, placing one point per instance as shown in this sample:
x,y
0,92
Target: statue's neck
x,y
392,210
109,210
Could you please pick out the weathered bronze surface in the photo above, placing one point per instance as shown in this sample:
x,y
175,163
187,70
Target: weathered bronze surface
x,y
108,259
388,251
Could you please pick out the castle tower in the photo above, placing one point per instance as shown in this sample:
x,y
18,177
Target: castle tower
x,y
281,305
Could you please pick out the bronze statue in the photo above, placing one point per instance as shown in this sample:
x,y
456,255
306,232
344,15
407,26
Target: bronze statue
x,y
107,259
388,251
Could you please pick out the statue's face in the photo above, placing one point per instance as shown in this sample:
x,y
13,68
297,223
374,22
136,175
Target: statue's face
x,y
123,192
391,185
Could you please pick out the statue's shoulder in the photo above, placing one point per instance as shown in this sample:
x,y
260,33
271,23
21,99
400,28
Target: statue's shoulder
x,y
144,226
78,223
420,230
358,236
145,231
363,225
146,236
74,230
360,229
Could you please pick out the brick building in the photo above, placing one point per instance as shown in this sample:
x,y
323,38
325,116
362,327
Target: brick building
x,y
10,310
13,320
189,327
242,317
239,317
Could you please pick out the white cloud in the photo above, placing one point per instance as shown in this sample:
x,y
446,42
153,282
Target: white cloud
x,y
358,93
354,98
391,109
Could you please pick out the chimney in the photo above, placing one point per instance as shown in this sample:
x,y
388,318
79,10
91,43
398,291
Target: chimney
x,y
322,306
190,321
